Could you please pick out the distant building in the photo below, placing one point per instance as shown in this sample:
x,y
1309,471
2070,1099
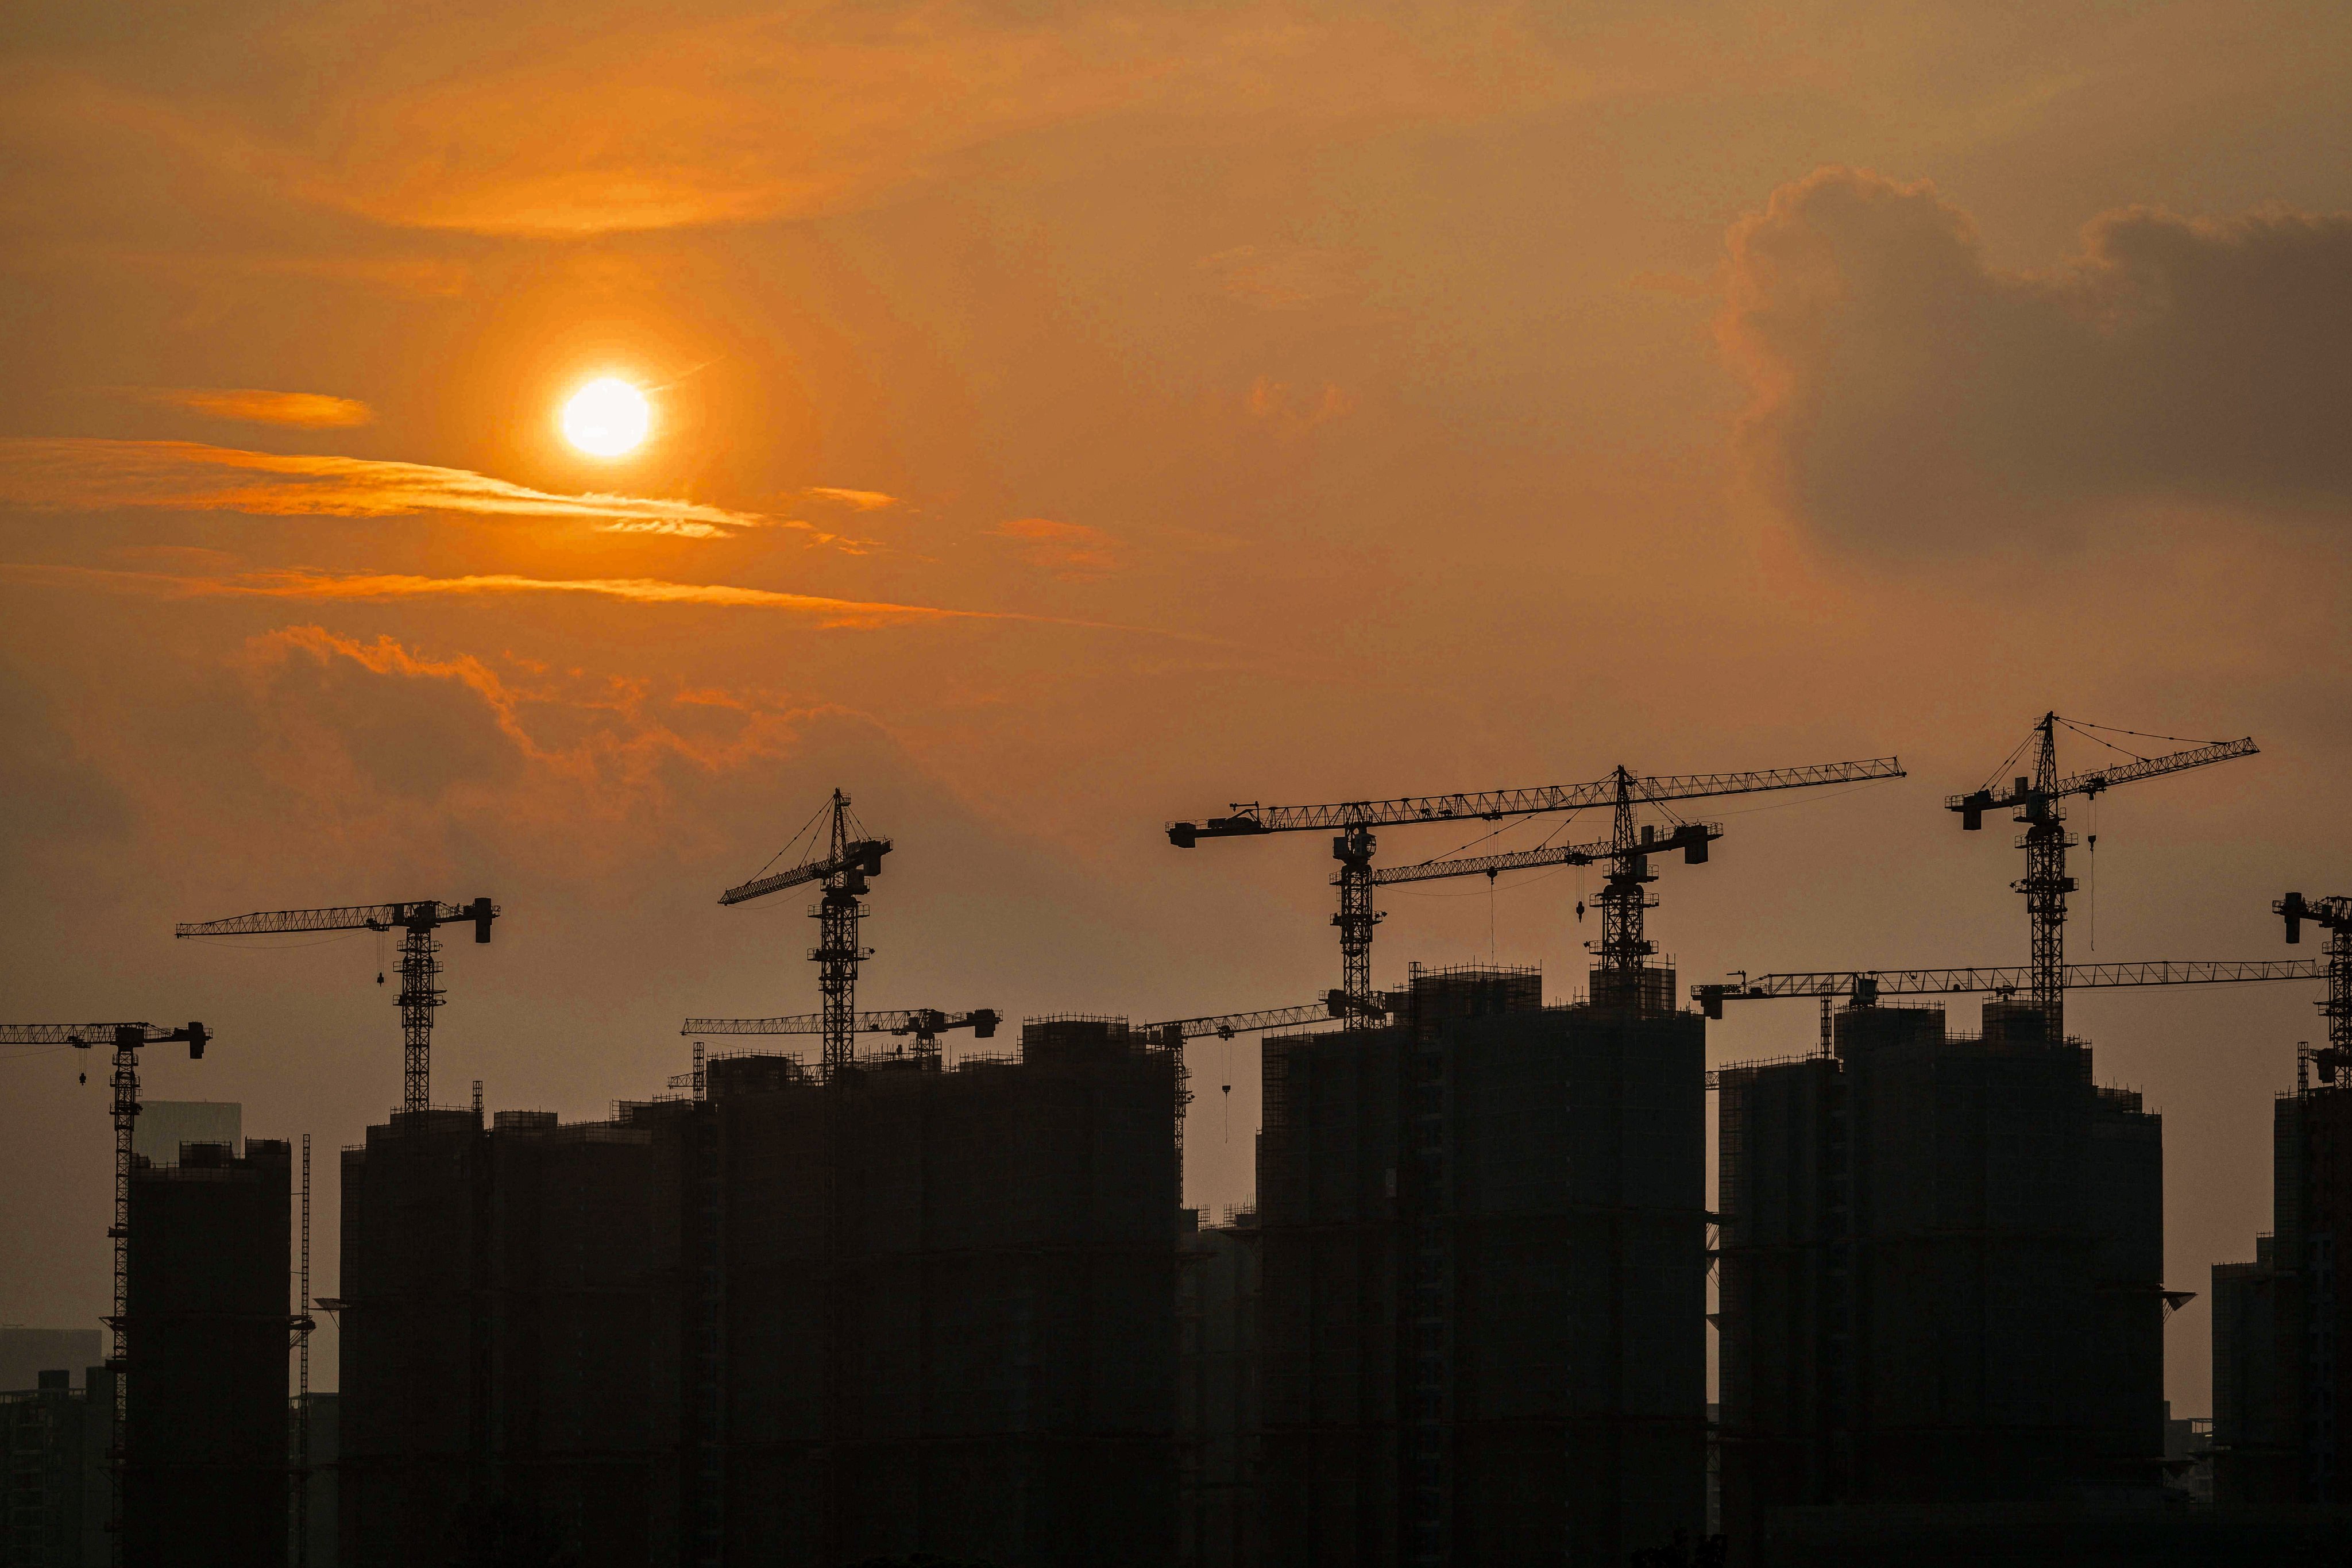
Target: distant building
x,y
1484,1235
164,1125
53,1471
26,1353
1940,1275
1217,1403
205,1440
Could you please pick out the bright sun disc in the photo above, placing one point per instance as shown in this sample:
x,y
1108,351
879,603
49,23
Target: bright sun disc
x,y
607,417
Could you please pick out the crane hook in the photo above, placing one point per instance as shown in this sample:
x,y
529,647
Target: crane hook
x,y
1580,909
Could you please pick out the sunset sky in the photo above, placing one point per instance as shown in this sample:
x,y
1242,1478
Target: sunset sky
x,y
1064,418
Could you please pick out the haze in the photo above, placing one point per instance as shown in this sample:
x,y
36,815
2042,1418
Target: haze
x,y
1067,418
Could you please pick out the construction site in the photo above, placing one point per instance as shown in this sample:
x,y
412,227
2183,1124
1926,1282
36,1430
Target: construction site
x,y
835,1298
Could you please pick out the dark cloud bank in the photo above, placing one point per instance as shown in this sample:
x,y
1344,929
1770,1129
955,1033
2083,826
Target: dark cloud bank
x,y
1908,395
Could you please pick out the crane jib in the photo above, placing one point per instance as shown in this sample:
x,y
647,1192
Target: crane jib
x,y
1249,818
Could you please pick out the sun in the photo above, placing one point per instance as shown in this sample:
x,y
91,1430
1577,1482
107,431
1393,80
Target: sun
x,y
607,417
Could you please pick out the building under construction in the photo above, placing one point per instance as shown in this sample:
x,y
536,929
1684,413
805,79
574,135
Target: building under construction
x,y
1940,1273
797,1318
2278,1377
1484,1238
204,1479
53,1469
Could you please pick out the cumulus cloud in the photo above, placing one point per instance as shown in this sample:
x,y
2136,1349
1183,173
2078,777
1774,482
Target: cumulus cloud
x,y
1906,392
90,474
252,405
1070,551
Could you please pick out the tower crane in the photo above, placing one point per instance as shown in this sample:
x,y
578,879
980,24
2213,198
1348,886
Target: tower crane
x,y
127,1039
852,857
420,964
2334,916
1621,946
2046,840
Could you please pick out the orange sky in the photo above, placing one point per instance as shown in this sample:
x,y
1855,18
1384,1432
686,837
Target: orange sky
x,y
1071,418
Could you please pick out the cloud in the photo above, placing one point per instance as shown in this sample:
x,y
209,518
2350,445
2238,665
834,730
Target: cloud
x,y
861,500
251,405
1070,551
1905,393
384,737
322,585
88,474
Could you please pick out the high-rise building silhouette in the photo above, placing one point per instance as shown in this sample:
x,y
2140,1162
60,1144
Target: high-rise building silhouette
x,y
1484,1236
2279,1377
205,1471
1940,1273
798,1318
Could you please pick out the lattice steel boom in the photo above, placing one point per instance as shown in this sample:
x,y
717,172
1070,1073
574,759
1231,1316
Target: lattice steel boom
x,y
420,964
924,1023
1225,1025
1867,985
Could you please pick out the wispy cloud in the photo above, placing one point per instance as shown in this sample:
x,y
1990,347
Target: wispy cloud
x,y
88,474
253,405
863,500
824,611
324,585
1071,551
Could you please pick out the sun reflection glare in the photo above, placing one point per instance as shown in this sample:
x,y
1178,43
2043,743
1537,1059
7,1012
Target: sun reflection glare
x,y
607,417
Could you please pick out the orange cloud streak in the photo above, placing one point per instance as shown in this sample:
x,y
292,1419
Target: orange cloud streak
x,y
827,612
90,474
252,405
